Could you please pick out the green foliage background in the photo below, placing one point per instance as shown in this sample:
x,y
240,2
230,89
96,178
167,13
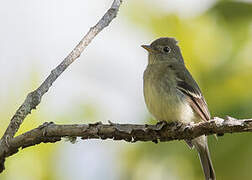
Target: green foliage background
x,y
216,46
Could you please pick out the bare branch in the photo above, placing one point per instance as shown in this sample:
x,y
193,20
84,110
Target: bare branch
x,y
34,98
50,132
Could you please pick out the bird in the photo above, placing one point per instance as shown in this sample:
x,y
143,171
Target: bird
x,y
172,95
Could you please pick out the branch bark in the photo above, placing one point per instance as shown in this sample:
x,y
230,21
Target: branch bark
x,y
51,133
34,98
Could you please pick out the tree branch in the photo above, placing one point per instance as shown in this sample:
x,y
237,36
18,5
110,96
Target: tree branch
x,y
34,98
51,133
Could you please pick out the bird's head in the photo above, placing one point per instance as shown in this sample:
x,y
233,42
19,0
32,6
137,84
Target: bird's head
x,y
163,49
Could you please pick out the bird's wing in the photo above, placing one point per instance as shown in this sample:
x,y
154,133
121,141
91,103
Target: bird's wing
x,y
187,85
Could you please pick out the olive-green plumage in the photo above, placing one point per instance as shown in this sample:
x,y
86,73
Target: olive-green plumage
x,y
171,94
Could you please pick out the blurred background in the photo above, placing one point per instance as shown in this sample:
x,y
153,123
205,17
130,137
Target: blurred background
x,y
105,83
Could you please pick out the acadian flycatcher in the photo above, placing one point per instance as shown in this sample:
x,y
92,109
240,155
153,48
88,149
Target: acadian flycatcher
x,y
171,94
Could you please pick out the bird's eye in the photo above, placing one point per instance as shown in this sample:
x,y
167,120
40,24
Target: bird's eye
x,y
166,49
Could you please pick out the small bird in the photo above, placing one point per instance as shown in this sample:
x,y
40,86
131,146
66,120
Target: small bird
x,y
171,94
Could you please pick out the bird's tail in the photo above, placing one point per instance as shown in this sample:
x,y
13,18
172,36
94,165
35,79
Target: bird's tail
x,y
201,146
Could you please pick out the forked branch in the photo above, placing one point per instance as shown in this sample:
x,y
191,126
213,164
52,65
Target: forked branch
x,y
34,98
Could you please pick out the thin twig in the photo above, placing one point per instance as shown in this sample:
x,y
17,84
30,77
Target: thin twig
x,y
34,98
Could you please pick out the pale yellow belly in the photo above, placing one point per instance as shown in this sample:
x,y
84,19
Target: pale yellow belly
x,y
167,106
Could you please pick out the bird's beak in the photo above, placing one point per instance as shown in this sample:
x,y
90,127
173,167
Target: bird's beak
x,y
148,48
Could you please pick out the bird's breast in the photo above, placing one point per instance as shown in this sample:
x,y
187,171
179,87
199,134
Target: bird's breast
x,y
164,101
